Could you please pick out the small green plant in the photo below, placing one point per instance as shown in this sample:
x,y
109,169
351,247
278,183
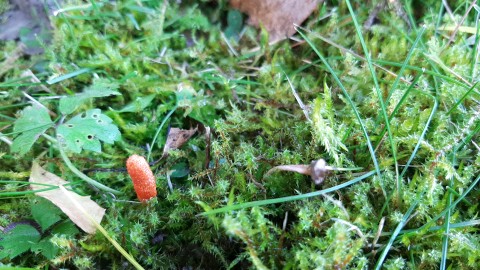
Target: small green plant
x,y
84,131
391,88
38,236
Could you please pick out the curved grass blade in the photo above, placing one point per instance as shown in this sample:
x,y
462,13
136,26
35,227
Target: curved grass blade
x,y
160,129
286,199
442,214
417,146
443,261
69,75
379,93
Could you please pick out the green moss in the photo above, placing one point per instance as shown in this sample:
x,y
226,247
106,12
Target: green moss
x,y
178,59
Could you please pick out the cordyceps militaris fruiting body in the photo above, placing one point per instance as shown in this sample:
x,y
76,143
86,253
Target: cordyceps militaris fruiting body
x,y
142,177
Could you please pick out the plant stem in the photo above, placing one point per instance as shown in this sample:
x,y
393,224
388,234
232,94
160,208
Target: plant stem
x,y
102,230
158,131
82,175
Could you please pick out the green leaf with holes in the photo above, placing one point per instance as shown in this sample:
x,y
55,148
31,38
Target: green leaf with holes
x,y
33,122
99,88
86,130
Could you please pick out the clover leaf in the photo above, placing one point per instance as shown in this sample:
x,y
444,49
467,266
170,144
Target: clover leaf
x,y
86,130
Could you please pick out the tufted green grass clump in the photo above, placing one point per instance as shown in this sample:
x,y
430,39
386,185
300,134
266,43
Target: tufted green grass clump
x,y
398,100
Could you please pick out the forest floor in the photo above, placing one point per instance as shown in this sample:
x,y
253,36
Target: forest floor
x,y
352,144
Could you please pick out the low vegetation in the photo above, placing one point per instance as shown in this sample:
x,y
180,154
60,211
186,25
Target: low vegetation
x,y
393,101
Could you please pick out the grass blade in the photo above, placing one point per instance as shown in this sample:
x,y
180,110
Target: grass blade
x,y
462,98
69,75
443,261
396,232
404,65
350,102
160,129
379,94
287,199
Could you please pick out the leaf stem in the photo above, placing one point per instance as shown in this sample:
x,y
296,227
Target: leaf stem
x,y
99,227
82,175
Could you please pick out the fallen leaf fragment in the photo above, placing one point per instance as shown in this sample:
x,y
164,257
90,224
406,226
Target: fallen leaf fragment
x,y
62,198
278,17
142,176
176,138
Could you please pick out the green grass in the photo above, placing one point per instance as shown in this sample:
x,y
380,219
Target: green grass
x,y
400,103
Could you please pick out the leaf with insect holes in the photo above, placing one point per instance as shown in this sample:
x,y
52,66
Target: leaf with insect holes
x,y
18,240
100,88
86,130
32,123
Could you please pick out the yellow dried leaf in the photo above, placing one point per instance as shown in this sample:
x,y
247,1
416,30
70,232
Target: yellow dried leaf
x,y
67,201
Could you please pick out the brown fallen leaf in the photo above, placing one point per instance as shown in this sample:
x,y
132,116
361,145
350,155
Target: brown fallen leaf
x,y
277,16
176,138
67,200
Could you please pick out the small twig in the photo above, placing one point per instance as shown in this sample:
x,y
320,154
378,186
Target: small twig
x,y
230,47
169,182
352,227
34,79
373,15
448,9
442,65
450,40
337,203
34,101
379,232
208,143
